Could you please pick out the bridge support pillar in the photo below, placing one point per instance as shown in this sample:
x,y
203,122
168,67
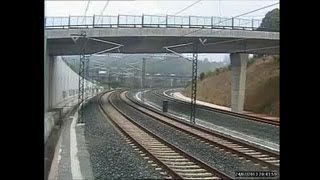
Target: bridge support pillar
x,y
143,73
51,76
48,76
238,80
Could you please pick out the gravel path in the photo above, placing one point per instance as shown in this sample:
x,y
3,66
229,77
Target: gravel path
x,y
64,170
256,129
111,157
213,156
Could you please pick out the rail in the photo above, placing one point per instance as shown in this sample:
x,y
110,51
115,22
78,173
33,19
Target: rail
x,y
231,113
267,158
162,152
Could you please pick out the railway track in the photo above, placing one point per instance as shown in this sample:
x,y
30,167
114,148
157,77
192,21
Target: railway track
x,y
245,116
172,161
269,160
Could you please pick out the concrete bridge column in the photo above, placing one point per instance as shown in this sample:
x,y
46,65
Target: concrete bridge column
x,y
238,80
171,82
46,74
48,77
49,117
51,79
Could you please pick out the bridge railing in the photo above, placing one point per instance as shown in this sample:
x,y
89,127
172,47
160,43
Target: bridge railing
x,y
129,21
165,21
105,21
154,21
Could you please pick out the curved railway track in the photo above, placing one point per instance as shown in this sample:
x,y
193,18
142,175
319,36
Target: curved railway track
x,y
244,151
174,162
252,118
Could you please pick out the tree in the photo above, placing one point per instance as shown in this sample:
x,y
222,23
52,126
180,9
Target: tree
x,y
202,76
271,21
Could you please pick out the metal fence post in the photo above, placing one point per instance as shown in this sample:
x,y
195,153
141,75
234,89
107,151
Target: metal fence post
x,y
252,24
212,22
69,22
232,23
93,19
189,21
142,20
167,20
118,20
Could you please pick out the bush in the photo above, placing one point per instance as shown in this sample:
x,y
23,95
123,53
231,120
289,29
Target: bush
x,y
202,76
229,67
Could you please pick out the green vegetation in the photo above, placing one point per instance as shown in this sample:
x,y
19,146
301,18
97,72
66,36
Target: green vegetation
x,y
262,86
214,72
176,66
202,75
271,21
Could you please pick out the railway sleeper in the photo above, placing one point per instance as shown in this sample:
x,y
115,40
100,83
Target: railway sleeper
x,y
267,158
200,177
273,161
192,174
196,170
261,156
166,153
184,166
170,156
254,153
177,163
173,160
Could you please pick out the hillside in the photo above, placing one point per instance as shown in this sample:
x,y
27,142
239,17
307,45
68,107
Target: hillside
x,y
262,86
163,65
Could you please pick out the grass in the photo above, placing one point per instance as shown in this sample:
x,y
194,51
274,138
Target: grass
x,y
262,86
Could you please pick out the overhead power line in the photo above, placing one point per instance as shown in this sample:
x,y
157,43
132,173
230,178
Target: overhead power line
x,y
187,7
220,8
184,9
105,6
234,17
85,12
256,10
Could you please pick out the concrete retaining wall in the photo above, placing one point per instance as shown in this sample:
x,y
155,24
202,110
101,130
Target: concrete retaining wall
x,y
63,92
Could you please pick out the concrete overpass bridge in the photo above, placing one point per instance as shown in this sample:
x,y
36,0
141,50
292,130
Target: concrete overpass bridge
x,y
151,34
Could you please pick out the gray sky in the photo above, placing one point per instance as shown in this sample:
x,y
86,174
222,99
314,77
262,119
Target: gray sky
x,y
224,8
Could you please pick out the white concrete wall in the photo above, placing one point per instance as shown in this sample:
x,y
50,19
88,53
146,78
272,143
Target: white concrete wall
x,y
63,80
63,84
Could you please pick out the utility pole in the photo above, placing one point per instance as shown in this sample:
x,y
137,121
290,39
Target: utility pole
x,y
194,61
194,82
81,95
84,61
82,68
143,73
109,79
87,78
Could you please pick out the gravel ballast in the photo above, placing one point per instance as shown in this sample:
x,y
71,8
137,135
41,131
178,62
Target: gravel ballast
x,y
259,130
213,156
110,156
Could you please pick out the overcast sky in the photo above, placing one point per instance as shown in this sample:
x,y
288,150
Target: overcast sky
x,y
224,8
